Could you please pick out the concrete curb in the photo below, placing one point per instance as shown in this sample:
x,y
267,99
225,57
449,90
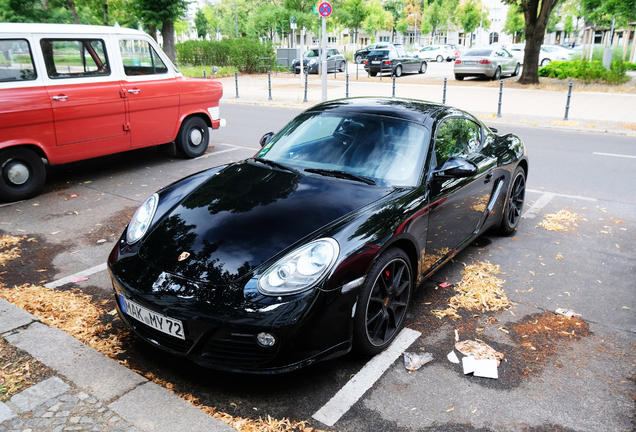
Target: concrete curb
x,y
146,405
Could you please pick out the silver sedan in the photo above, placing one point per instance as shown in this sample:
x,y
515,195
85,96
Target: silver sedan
x,y
489,62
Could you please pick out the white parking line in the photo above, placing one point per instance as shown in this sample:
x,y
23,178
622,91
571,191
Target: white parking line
x,y
538,205
615,155
363,380
68,279
216,153
564,195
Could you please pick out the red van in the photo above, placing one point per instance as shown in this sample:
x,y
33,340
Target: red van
x,y
73,92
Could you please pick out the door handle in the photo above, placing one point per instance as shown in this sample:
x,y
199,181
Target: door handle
x,y
60,98
134,91
488,177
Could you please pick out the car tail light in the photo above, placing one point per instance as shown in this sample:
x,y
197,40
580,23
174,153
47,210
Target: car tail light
x,y
458,61
484,61
366,61
387,62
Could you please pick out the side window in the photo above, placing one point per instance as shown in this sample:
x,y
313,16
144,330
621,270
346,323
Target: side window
x,y
16,61
456,137
140,58
402,52
74,58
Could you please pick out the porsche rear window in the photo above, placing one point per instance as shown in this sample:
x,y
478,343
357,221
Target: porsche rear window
x,y
16,61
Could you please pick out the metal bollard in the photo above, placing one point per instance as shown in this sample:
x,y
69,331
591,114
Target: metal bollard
x,y
567,106
500,93
236,80
393,85
347,86
306,76
269,81
444,97
203,73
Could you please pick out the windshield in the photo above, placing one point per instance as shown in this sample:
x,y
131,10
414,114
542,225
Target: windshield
x,y
390,151
312,53
478,53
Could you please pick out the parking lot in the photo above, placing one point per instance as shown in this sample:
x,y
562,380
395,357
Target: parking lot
x,y
557,374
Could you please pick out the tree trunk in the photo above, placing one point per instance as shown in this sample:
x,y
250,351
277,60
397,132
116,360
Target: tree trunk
x,y
536,23
167,32
71,6
152,30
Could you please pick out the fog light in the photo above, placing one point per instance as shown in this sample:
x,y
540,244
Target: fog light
x,y
266,339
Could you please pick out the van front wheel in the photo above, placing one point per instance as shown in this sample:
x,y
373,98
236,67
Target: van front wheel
x,y
23,174
193,137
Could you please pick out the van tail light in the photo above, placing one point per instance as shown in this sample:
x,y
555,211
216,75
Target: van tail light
x,y
484,61
458,62
387,62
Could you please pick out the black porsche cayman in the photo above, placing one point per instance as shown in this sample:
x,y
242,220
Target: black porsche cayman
x,y
314,246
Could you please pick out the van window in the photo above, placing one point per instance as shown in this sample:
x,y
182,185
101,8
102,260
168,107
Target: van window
x,y
74,58
16,61
139,58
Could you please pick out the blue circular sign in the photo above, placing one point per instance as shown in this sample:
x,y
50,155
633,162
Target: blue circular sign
x,y
324,9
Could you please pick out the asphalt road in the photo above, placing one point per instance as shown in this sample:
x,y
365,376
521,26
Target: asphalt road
x,y
582,382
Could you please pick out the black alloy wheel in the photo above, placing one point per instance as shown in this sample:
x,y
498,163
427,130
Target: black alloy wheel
x,y
423,67
23,174
398,71
514,203
193,137
383,302
497,74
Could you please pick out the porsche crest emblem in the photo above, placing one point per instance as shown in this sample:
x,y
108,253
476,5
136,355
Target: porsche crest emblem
x,y
183,256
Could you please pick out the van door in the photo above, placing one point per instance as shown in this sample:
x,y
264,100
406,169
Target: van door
x,y
88,107
151,91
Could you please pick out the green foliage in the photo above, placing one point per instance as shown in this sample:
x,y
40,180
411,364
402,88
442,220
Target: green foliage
x,y
352,15
242,53
467,15
201,23
587,71
515,22
377,18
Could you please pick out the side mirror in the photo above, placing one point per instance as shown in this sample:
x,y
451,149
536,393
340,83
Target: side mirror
x,y
494,130
456,167
265,139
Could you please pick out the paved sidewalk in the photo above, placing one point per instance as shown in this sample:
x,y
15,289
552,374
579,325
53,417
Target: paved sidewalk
x,y
591,111
89,391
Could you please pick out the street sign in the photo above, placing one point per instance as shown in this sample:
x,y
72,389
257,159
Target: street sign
x,y
325,9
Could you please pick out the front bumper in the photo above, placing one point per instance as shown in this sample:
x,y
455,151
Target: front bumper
x,y
221,323
307,69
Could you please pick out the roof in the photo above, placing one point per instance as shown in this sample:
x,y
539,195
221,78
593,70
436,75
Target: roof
x,y
64,29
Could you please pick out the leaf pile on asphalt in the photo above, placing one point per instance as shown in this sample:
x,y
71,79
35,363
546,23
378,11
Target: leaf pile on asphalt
x,y
18,371
78,315
559,221
479,290
13,253
543,335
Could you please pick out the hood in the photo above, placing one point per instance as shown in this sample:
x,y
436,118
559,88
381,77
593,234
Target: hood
x,y
245,215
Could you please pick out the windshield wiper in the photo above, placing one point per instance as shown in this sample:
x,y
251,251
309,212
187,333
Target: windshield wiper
x,y
341,174
275,164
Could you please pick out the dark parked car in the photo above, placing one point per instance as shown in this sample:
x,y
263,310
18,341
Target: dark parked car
x,y
360,55
395,61
311,61
315,245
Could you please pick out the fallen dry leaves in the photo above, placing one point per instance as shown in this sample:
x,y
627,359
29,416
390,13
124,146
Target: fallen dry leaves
x,y
559,221
76,314
13,253
479,289
18,371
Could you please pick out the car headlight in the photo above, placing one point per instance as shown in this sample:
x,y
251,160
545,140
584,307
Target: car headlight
x,y
312,61
142,218
301,269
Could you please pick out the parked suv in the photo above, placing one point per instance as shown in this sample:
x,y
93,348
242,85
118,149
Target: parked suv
x,y
73,92
394,61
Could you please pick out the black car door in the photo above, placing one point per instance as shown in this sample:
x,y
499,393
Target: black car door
x,y
460,185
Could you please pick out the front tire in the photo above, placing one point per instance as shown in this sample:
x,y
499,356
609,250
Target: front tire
x,y
423,67
398,71
358,58
341,68
383,302
516,72
23,174
545,62
439,59
497,74
514,203
193,137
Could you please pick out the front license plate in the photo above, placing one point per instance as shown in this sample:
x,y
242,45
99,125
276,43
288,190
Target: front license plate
x,y
470,62
157,321
376,62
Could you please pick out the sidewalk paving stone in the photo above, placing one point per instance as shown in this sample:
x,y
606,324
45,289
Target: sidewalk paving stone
x,y
39,393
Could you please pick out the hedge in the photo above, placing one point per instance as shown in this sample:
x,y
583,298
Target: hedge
x,y
588,71
242,53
